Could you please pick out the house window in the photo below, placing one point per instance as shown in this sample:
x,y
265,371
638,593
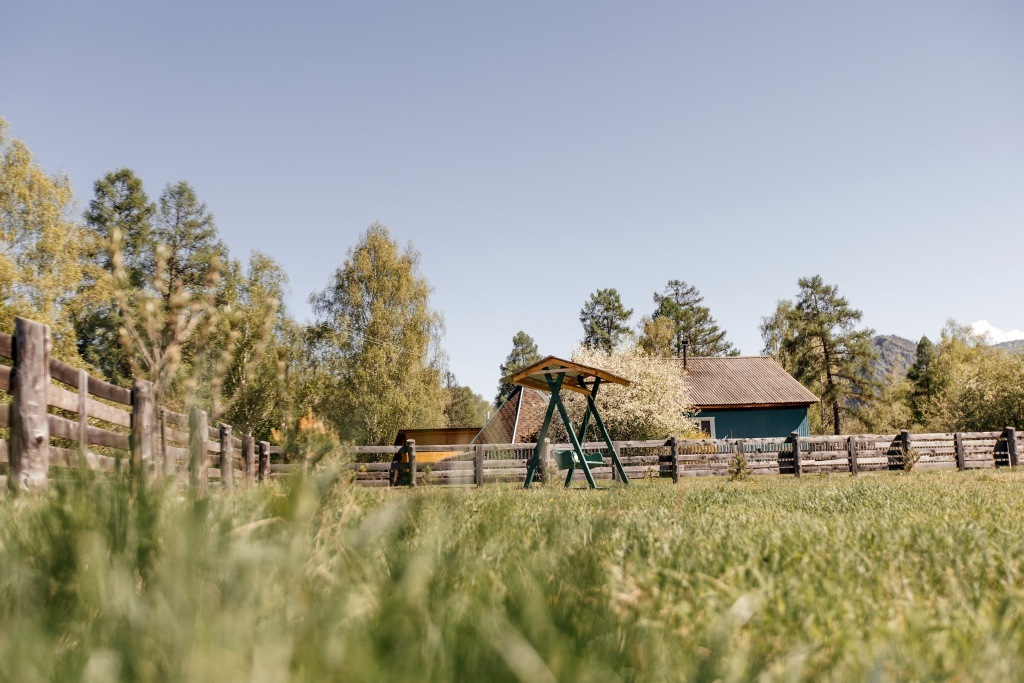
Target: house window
x,y
707,425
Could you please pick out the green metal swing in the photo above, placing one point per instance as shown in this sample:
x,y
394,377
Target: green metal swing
x,y
552,375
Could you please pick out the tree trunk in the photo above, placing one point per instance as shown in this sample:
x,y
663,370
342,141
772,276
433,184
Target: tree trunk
x,y
830,386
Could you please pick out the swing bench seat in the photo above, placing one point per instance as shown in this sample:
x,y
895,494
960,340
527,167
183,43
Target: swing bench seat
x,y
565,459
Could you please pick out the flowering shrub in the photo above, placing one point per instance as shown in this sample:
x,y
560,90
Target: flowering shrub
x,y
656,405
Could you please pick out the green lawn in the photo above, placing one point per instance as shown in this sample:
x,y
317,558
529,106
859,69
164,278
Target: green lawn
x,y
886,577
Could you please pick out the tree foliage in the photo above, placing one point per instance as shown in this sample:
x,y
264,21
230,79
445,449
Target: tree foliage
x,y
656,336
379,340
656,405
523,354
921,380
889,411
121,207
816,339
692,322
42,248
169,319
604,320
193,248
971,386
463,406
183,314
248,384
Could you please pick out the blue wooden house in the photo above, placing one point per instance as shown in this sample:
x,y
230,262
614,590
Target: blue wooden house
x,y
747,397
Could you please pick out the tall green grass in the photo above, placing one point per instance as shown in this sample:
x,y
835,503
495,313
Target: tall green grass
x,y
890,577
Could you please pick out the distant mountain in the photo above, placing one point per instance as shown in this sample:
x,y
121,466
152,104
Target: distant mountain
x,y
897,353
894,353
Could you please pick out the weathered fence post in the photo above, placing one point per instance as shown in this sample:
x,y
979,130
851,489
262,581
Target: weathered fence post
x,y
198,432
263,471
851,453
549,463
958,441
227,457
478,465
248,456
29,457
143,428
795,439
673,445
904,447
83,417
410,447
1011,445
165,456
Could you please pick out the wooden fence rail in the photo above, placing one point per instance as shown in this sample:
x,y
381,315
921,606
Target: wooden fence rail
x,y
478,464
60,416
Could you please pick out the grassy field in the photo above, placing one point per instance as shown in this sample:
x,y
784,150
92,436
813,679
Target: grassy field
x,y
889,577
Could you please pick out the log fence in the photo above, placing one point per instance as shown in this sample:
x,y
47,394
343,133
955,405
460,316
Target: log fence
x,y
61,417
478,464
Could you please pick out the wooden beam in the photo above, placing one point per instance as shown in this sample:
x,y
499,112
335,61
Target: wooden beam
x,y
410,446
795,440
750,406
674,450
227,456
197,445
1011,445
144,428
29,455
249,457
83,415
263,469
560,365
478,461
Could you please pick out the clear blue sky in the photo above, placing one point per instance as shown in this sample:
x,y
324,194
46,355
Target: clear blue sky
x,y
534,152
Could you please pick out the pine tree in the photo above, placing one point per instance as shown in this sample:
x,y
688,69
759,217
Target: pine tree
x,y
523,354
186,228
815,338
604,320
119,204
921,377
691,321
171,281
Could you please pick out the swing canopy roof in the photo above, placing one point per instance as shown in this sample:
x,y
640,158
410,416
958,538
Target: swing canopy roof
x,y
535,376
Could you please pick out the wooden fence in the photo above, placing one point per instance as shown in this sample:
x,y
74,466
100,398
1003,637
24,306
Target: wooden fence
x,y
62,417
677,458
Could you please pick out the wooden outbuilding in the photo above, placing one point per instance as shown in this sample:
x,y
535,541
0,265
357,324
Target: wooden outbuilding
x,y
747,397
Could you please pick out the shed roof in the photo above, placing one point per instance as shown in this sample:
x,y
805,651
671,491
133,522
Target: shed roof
x,y
743,382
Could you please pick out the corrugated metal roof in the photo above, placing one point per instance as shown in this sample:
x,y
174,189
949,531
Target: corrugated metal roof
x,y
743,381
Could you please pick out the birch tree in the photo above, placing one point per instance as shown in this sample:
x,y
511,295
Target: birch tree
x,y
379,340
